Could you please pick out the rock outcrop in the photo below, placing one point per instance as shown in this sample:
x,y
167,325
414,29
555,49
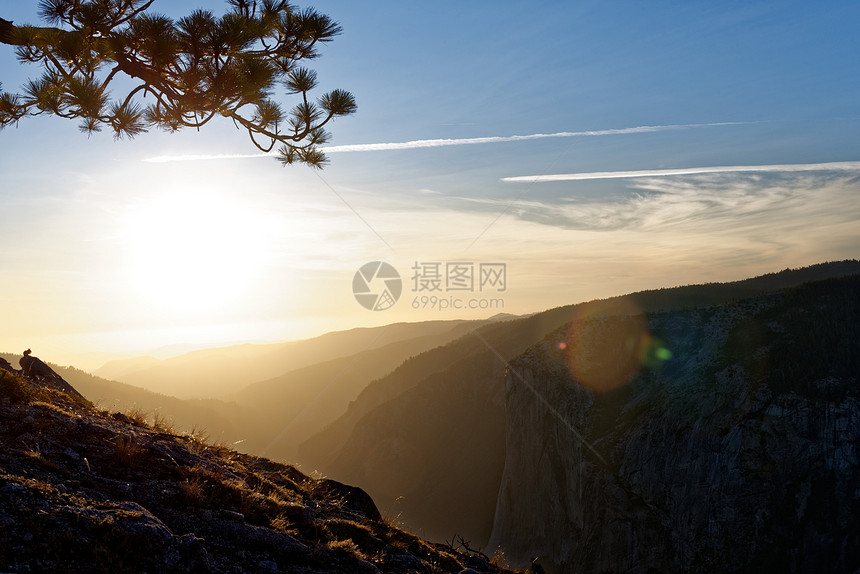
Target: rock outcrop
x,y
85,490
37,371
733,447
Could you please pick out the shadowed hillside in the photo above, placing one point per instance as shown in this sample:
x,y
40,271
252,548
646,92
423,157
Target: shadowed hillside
x,y
733,448
300,403
428,440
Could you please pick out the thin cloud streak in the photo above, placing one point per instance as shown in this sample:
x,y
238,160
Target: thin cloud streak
x,y
415,144
418,144
776,168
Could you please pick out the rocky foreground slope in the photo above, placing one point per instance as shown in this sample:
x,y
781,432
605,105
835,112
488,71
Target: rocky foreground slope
x,y
713,439
84,490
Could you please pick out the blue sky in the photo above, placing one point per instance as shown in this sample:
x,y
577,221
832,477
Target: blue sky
x,y
98,240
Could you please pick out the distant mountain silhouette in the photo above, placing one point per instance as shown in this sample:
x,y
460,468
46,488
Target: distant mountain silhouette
x,y
300,403
218,372
117,369
427,441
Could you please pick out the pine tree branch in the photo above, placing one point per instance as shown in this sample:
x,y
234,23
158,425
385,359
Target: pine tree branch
x,y
7,29
199,68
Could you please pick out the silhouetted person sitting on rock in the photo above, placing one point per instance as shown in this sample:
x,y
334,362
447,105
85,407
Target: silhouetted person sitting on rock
x,y
37,371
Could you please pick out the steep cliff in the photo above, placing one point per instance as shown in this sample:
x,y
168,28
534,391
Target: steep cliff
x,y
428,440
715,439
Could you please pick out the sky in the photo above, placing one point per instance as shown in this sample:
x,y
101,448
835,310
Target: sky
x,y
505,157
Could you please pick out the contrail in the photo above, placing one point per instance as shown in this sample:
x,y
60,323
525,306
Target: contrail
x,y
417,144
776,168
414,144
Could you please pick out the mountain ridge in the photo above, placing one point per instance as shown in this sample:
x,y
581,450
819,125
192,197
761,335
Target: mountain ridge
x,y
409,407
220,371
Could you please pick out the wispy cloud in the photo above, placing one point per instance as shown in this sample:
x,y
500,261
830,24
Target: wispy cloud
x,y
432,143
415,144
776,168
723,203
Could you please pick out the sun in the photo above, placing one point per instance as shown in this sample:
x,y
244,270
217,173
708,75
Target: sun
x,y
193,251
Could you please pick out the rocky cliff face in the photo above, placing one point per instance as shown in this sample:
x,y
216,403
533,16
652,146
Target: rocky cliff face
x,y
731,446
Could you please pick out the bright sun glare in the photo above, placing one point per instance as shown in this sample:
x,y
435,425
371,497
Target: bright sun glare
x,y
193,251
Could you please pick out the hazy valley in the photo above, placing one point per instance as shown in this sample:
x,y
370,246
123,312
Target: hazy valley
x,y
486,430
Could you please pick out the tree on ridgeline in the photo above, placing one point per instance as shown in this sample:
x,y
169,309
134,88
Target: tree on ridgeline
x,y
191,70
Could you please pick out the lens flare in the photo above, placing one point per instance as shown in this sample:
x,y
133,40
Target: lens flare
x,y
653,352
608,342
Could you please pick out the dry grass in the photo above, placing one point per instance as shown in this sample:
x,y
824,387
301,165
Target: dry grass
x,y
162,424
127,450
138,417
196,484
193,490
499,559
346,549
281,495
52,407
15,389
32,453
434,566
341,528
198,434
283,524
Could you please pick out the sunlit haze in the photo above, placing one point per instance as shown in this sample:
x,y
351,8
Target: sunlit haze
x,y
589,149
